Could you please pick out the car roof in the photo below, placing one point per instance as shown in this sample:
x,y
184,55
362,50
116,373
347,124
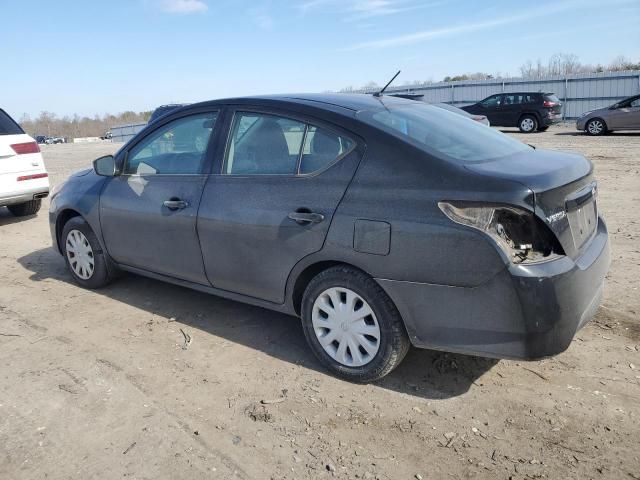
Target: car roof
x,y
354,102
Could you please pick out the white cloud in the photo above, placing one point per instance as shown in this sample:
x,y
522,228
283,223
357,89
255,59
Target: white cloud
x,y
359,10
183,6
418,37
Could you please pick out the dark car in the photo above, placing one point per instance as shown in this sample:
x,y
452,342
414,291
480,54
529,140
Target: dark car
x,y
622,115
41,139
381,222
529,111
162,110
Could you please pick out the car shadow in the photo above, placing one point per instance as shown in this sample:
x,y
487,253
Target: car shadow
x,y
578,133
423,373
517,131
8,218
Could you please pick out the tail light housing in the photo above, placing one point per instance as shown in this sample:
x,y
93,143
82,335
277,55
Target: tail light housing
x,y
549,104
35,176
519,234
23,148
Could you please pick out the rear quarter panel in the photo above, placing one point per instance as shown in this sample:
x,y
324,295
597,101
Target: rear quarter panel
x,y
398,184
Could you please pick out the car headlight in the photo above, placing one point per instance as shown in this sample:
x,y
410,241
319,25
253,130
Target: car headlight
x,y
519,234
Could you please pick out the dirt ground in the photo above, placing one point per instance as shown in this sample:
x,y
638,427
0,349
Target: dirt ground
x,y
101,385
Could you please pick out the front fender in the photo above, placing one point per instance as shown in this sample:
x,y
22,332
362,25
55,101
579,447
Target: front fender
x,y
79,196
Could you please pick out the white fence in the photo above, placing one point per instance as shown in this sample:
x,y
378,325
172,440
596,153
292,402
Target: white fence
x,y
578,93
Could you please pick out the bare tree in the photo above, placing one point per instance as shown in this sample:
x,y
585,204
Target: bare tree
x,y
47,123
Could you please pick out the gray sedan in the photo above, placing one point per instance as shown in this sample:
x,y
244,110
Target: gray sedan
x,y
380,222
624,115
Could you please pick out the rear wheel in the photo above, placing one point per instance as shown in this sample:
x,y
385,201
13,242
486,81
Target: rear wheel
x,y
27,208
84,255
596,126
352,326
528,124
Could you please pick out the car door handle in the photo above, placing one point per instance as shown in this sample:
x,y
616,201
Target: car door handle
x,y
175,204
305,218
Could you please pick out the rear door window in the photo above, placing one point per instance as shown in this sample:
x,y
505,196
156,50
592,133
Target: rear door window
x,y
8,126
265,144
513,99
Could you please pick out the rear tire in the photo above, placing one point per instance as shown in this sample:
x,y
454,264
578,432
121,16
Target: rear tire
x,y
376,340
528,124
84,255
596,127
27,208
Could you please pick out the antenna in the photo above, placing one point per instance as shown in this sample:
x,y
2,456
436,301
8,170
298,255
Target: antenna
x,y
379,94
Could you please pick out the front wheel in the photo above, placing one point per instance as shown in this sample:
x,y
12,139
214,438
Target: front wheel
x,y
84,256
528,124
596,127
27,208
352,326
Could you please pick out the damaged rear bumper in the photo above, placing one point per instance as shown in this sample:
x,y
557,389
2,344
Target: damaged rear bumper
x,y
526,311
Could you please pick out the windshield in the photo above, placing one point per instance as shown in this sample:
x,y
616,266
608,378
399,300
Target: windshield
x,y
439,131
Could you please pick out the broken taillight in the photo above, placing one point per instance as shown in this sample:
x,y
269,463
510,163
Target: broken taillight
x,y
519,234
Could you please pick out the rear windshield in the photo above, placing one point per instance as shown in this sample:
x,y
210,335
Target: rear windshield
x,y
552,97
8,126
439,131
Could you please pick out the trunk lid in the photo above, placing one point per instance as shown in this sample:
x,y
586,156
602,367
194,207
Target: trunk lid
x,y
564,189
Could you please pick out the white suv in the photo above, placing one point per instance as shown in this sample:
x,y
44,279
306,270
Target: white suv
x,y
24,180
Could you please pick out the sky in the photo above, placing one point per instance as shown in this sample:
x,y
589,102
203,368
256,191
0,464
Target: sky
x,y
96,57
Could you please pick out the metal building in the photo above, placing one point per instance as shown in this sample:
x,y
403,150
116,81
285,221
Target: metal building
x,y
579,93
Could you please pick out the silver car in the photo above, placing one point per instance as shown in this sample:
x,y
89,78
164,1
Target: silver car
x,y
624,115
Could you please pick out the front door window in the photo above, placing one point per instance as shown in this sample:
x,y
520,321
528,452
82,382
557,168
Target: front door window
x,y
177,148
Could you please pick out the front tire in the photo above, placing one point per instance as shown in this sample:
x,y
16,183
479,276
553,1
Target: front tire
x,y
84,255
528,124
352,326
27,208
596,127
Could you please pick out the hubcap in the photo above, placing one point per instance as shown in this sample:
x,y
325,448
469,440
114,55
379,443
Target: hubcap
x,y
346,327
595,126
527,124
80,254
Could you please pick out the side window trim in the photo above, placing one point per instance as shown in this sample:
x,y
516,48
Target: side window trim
x,y
123,156
301,153
241,109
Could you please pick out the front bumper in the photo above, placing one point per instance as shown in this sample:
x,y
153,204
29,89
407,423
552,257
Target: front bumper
x,y
581,124
526,311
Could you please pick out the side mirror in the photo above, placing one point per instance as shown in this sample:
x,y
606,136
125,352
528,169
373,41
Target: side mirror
x,y
105,166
